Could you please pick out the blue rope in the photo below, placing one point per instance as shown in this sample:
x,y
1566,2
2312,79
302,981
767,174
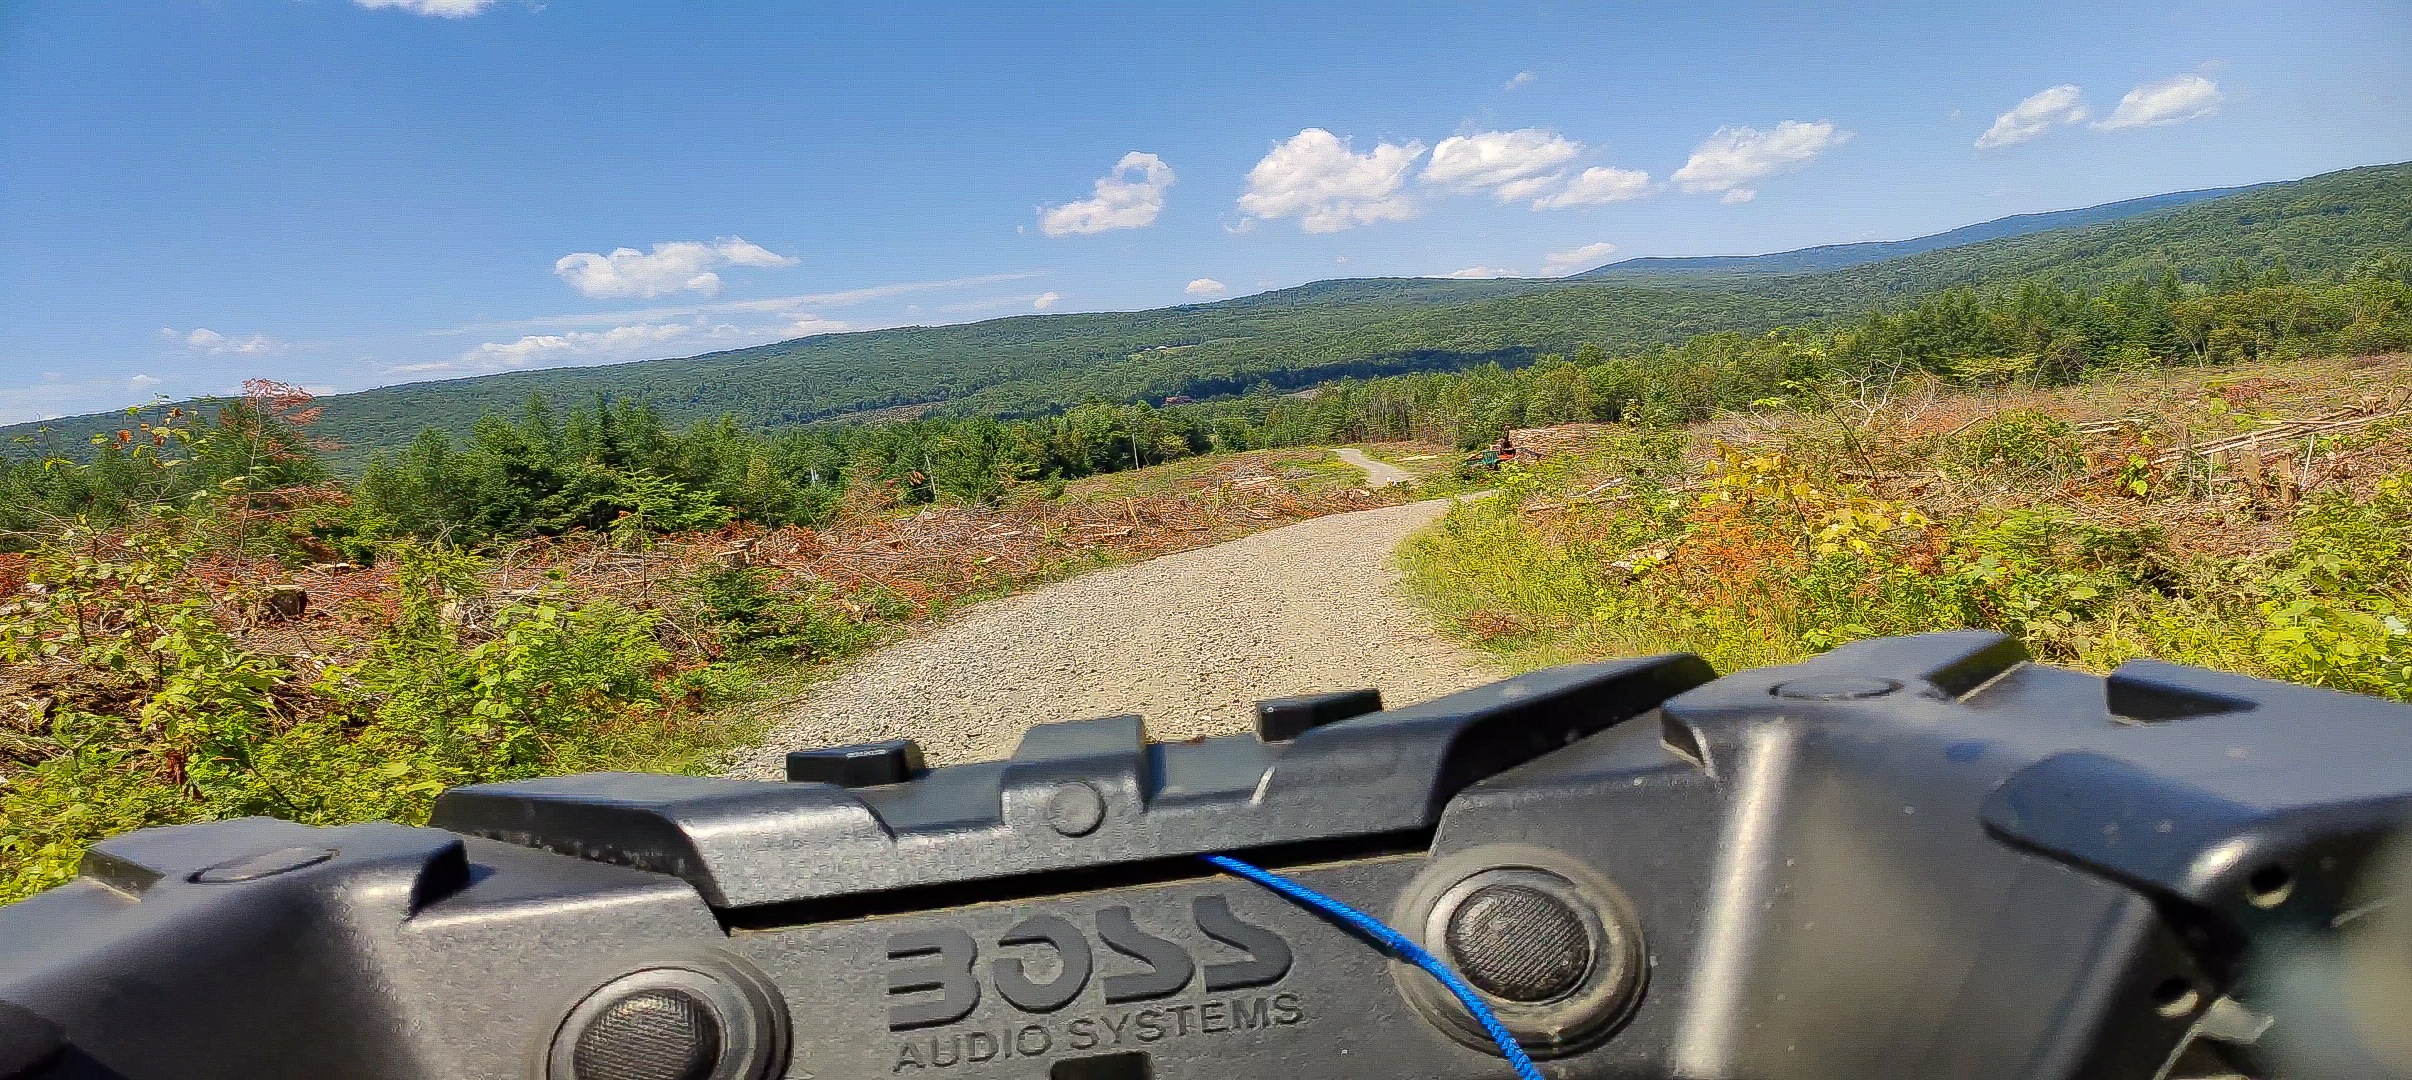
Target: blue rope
x,y
1400,946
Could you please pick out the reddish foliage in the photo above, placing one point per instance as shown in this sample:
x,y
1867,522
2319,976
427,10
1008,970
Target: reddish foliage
x,y
282,401
2244,392
1495,625
942,553
927,559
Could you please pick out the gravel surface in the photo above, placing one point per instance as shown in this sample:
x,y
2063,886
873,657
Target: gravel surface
x,y
1379,474
1190,641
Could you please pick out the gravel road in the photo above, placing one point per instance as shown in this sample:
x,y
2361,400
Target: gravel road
x,y
1190,641
1379,474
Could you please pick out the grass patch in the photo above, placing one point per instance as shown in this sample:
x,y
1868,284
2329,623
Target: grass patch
x,y
1308,469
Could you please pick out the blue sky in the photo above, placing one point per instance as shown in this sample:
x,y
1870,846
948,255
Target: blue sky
x,y
350,193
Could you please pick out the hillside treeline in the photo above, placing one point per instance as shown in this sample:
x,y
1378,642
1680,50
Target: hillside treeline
x,y
1042,365
616,465
2035,333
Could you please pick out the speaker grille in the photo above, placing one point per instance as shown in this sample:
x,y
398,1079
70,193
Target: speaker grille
x,y
659,1034
1519,943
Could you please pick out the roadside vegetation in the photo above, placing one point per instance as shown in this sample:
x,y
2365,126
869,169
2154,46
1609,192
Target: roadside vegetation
x,y
2255,517
238,634
199,618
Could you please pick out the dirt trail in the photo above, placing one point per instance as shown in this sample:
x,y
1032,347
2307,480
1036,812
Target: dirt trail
x,y
1190,641
1380,474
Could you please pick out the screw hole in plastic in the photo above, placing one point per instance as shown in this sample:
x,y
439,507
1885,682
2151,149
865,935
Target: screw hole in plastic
x,y
2269,886
2175,997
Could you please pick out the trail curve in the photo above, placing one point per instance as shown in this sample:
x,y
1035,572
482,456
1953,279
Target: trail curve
x,y
1189,641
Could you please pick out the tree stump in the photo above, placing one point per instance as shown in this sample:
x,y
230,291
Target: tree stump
x,y
284,602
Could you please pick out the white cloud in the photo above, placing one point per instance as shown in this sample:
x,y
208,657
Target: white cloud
x,y
1735,158
1522,78
682,330
810,325
1510,164
440,368
2173,100
1480,272
448,9
1531,185
1204,286
218,344
617,339
1597,186
2041,112
636,341
1038,301
1119,203
1582,258
1316,178
771,304
682,266
1528,164
59,394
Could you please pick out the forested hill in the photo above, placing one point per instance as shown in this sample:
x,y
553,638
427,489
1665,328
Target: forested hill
x,y
1660,269
2320,226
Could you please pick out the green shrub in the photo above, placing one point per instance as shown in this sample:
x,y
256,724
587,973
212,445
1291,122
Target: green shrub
x,y
2339,606
100,784
2019,444
1758,573
756,614
540,685
349,533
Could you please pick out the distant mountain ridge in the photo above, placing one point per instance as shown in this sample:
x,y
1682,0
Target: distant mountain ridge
x,y
1812,260
1358,327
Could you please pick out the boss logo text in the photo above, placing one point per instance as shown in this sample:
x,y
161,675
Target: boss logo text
x,y
939,981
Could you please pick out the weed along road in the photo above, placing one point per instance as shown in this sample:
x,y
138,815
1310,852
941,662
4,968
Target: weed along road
x,y
1190,641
